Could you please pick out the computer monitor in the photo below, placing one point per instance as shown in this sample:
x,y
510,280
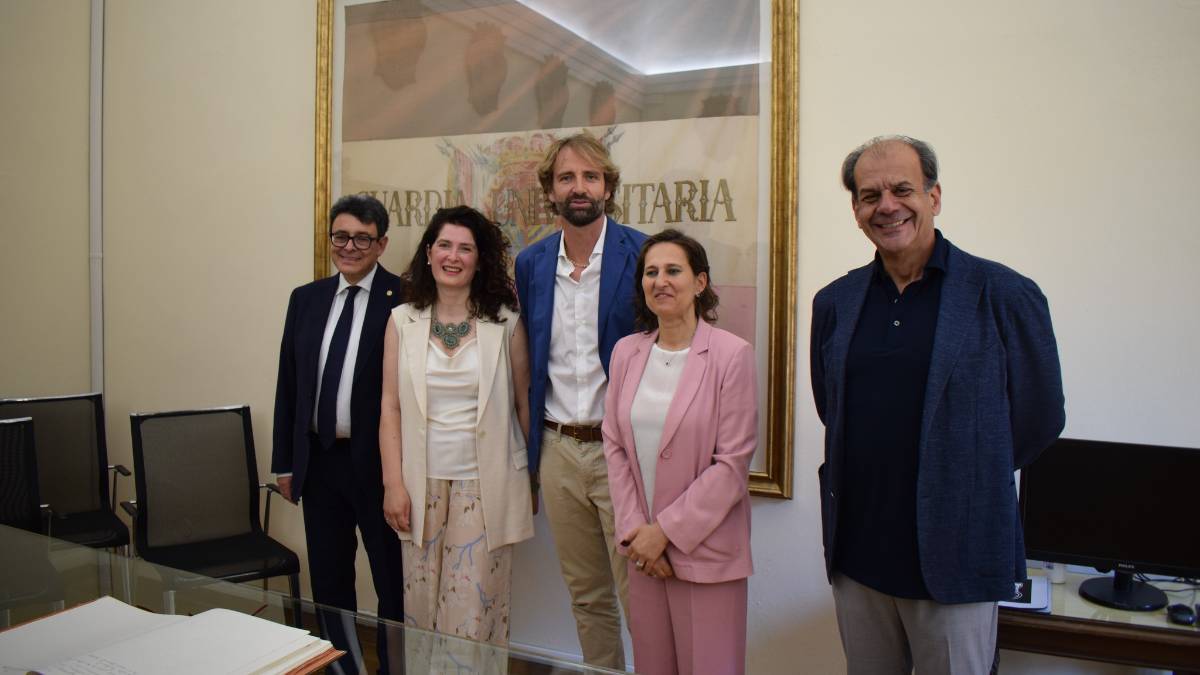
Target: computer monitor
x,y
1114,506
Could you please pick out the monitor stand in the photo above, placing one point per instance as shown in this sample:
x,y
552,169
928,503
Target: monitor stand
x,y
1122,591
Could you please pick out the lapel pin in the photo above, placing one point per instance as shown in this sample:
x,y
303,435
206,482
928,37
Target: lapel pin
x,y
389,294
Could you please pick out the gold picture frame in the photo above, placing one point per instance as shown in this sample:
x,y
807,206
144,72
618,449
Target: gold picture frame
x,y
775,478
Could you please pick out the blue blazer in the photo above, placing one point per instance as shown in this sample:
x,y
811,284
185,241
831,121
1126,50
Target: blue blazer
x,y
993,402
296,387
535,270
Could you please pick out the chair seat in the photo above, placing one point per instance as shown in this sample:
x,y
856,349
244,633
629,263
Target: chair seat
x,y
244,557
97,529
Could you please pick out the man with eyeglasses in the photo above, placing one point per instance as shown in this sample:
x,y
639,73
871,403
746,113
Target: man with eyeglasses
x,y
326,436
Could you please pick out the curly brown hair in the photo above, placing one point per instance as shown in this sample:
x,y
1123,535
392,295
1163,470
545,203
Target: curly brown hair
x,y
491,287
706,302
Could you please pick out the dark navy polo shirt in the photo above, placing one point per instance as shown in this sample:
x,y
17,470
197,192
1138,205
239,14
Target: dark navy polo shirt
x,y
886,370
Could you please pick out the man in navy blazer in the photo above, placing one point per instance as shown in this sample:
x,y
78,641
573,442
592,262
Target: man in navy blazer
x,y
936,374
326,434
576,293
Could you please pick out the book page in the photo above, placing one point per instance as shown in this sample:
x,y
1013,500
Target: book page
x,y
216,641
266,662
40,644
296,659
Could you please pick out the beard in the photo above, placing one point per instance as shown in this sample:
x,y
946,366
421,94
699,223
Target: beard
x,y
580,217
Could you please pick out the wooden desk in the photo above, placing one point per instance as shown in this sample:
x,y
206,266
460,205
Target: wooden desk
x,y
1078,629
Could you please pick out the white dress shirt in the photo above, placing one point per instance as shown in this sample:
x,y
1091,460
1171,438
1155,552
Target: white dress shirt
x,y
346,383
648,415
577,380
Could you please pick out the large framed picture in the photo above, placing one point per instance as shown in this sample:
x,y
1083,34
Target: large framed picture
x,y
432,103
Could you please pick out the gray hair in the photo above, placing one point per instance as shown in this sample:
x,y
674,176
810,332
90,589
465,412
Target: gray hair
x,y
925,154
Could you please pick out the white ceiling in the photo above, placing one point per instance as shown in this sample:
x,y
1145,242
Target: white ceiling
x,y
664,36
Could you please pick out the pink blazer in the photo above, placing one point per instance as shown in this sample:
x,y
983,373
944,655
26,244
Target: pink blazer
x,y
700,492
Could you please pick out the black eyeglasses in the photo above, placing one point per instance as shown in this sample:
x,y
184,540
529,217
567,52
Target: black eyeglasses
x,y
362,242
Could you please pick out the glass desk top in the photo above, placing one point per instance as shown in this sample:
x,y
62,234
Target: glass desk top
x,y
40,575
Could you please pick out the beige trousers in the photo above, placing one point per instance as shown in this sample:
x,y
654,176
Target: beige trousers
x,y
579,509
886,635
453,584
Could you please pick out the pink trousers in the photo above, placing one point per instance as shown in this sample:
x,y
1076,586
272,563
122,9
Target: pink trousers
x,y
685,628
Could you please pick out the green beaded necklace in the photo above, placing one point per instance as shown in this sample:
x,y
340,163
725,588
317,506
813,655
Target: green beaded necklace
x,y
450,333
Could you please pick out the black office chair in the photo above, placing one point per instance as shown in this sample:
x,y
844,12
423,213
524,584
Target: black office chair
x,y
197,501
73,468
28,576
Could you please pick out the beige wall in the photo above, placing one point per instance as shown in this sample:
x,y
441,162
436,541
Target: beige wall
x,y
44,296
1069,151
208,206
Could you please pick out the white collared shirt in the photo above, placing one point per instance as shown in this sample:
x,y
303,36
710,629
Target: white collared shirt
x,y
346,383
577,380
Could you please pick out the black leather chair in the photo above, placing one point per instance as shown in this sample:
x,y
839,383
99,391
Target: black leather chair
x,y
27,575
197,506
73,468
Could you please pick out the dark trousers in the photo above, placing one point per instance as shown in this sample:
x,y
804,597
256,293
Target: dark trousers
x,y
334,506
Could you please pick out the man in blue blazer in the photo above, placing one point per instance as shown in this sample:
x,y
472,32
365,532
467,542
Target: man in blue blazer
x,y
326,434
936,374
576,293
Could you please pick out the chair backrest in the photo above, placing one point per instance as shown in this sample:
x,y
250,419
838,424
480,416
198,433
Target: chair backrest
x,y
73,458
20,503
196,475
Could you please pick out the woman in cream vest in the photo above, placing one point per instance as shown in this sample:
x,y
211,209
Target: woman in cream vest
x,y
452,429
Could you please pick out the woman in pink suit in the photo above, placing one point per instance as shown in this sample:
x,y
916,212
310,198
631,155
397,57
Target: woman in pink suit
x,y
680,427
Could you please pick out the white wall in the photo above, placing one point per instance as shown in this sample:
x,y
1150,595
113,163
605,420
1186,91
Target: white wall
x,y
208,193
1070,151
44,301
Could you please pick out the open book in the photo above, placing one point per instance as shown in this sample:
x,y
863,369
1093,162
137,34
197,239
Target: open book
x,y
110,637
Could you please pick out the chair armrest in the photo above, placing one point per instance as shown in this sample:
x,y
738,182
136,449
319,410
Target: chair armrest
x,y
117,469
47,518
131,507
269,487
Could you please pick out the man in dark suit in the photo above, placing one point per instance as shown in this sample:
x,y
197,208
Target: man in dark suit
x,y
936,374
326,435
576,292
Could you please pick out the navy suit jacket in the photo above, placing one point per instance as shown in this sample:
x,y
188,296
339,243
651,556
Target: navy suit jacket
x,y
296,388
535,270
993,402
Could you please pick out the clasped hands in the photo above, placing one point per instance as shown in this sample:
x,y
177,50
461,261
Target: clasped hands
x,y
397,508
647,550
